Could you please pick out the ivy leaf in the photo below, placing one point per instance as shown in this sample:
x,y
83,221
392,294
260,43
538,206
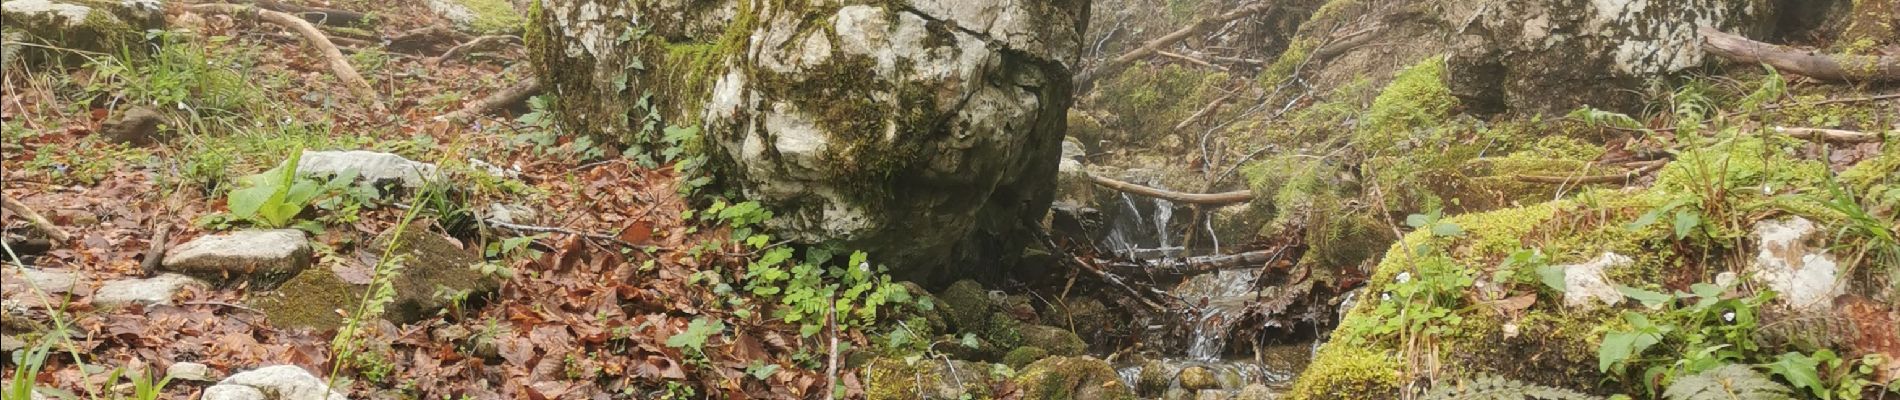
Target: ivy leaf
x,y
1552,276
1800,370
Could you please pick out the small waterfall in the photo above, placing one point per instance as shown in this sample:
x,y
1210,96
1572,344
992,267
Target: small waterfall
x,y
1225,293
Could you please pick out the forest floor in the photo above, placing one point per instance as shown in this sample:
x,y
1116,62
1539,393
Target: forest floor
x,y
610,285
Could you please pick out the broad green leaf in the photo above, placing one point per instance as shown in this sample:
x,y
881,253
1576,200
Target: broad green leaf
x,y
1447,229
1686,222
1649,299
1552,276
1417,220
1802,371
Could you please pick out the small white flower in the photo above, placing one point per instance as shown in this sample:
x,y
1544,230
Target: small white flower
x,y
864,266
1728,316
1404,277
1766,189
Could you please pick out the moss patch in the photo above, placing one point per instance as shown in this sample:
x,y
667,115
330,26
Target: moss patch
x,y
1071,378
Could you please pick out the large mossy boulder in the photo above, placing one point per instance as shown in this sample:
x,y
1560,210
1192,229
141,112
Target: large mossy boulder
x,y
1056,378
890,378
431,274
55,27
924,132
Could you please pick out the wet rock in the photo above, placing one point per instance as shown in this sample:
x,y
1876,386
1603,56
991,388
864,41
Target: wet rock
x,y
1255,392
137,126
232,392
1091,319
160,289
372,167
1198,377
1155,378
434,274
1793,261
284,382
1586,286
1071,378
191,371
1212,394
105,26
265,257
967,305
1022,356
855,123
889,378
1057,341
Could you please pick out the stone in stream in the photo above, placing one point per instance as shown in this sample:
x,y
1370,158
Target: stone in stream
x,y
1794,263
1255,392
282,382
855,123
1198,378
434,274
103,26
263,257
1071,378
160,289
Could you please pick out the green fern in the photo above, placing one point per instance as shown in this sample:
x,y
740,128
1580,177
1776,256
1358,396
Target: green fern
x,y
1738,382
1496,388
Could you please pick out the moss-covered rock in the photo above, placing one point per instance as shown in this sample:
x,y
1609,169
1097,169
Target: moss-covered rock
x,y
100,26
856,122
431,274
1071,378
1057,341
966,305
1022,356
888,378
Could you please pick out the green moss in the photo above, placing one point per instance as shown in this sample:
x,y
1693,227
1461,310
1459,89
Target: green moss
x,y
1415,100
895,379
1071,378
1055,340
493,17
966,305
1148,101
308,301
1022,356
1348,372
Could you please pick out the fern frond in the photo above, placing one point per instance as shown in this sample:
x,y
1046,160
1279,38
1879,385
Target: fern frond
x,y
1737,382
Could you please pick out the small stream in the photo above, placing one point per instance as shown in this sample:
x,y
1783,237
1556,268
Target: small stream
x,y
1200,361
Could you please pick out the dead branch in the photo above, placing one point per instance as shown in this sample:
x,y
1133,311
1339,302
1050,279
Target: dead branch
x,y
1151,298
1191,60
1829,135
1572,180
1203,112
155,254
338,64
1193,265
1211,199
1832,67
1889,96
325,16
1239,60
1085,80
477,44
38,221
506,97
550,229
1345,43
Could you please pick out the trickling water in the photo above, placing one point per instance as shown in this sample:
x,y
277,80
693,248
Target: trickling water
x,y
1225,294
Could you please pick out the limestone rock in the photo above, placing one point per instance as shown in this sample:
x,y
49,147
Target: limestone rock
x,y
924,132
106,26
232,392
20,282
284,382
966,305
160,289
1071,378
370,166
1585,285
1794,263
267,257
1057,341
431,266
1255,392
191,371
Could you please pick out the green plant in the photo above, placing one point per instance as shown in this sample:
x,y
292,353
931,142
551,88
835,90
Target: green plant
x,y
272,198
1738,382
695,336
1703,329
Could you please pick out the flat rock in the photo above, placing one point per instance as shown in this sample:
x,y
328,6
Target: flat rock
x,y
191,371
370,166
22,281
155,290
284,382
267,256
1794,263
232,392
1585,285
101,25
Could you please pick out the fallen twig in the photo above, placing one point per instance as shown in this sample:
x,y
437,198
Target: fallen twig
x,y
1203,112
1610,178
1191,60
38,221
338,64
1086,79
474,45
551,229
1832,67
1829,135
1195,265
1238,196
1889,96
506,97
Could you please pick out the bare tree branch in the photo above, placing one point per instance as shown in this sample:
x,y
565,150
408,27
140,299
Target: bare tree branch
x,y
1212,199
1832,67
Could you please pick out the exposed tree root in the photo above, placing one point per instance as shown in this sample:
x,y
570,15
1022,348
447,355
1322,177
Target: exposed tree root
x,y
1832,67
1085,80
506,97
1829,135
477,44
1209,199
338,64
38,221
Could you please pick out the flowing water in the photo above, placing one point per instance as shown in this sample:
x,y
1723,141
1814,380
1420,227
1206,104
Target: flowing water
x,y
1141,229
